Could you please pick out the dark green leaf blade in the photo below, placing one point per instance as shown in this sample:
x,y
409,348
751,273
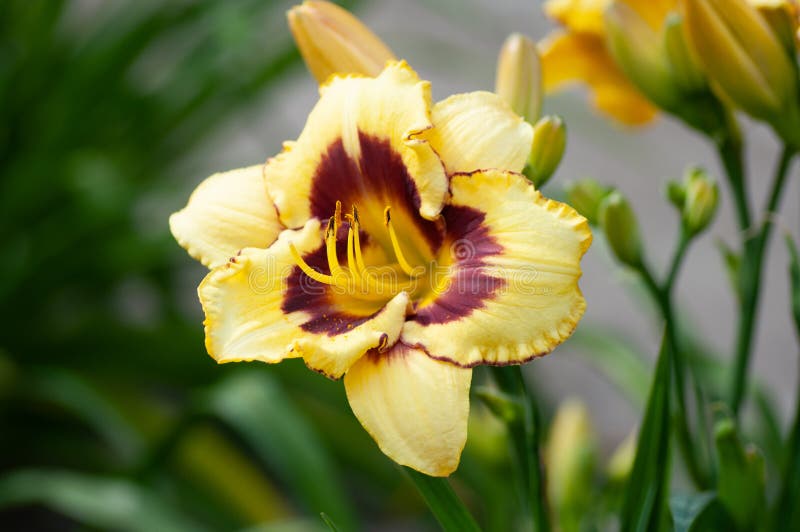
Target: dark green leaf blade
x,y
646,493
101,502
698,512
256,407
443,502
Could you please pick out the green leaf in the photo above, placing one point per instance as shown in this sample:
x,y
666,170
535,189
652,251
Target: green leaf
x,y
698,512
95,501
740,484
448,509
256,407
615,358
525,435
75,394
733,266
329,522
646,492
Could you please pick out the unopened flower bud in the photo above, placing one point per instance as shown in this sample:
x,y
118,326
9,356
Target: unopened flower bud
x,y
700,206
783,16
621,229
686,72
569,457
676,194
746,61
519,77
621,462
637,49
332,40
585,197
549,142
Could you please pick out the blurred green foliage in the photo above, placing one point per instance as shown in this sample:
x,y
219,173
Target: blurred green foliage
x,y
111,413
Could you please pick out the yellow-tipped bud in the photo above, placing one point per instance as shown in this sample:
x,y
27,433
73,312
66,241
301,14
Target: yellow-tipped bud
x,y
783,16
701,198
621,462
569,458
519,77
638,49
745,60
621,229
332,40
549,142
585,196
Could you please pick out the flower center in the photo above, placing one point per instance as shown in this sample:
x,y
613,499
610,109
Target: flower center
x,y
368,282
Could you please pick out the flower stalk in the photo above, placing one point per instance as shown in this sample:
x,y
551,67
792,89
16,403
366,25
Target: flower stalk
x,y
525,438
750,280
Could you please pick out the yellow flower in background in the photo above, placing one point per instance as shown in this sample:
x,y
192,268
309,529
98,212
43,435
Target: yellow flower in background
x,y
332,40
578,54
395,244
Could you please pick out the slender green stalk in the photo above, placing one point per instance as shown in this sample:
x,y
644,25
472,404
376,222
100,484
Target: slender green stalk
x,y
443,502
525,432
787,512
662,294
730,153
750,281
646,494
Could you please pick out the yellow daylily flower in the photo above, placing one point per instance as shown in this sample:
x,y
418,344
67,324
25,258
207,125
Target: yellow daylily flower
x,y
578,54
393,243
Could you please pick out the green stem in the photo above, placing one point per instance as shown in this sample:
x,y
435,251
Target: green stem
x,y
525,431
662,294
730,153
443,502
750,282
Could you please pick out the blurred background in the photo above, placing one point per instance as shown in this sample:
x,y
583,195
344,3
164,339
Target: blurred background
x,y
112,416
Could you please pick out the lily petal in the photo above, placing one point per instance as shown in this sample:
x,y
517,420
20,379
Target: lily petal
x,y
511,292
414,407
245,318
394,109
479,130
582,57
227,212
585,16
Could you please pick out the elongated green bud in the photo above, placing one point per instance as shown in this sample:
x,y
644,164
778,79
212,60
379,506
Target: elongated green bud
x,y
549,143
638,50
684,67
519,77
585,197
702,196
621,229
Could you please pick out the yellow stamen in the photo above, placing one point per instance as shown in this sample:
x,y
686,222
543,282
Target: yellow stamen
x,y
351,258
308,270
374,286
357,242
401,259
330,248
